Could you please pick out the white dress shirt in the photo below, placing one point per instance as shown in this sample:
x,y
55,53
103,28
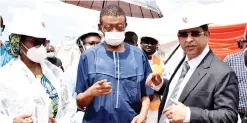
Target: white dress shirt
x,y
193,63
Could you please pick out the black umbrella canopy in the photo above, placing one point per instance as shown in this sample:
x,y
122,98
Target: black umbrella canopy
x,y
132,8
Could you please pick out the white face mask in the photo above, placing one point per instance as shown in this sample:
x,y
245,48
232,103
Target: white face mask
x,y
88,46
50,55
114,38
36,54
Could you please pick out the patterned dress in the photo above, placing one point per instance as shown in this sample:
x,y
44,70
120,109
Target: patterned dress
x,y
51,91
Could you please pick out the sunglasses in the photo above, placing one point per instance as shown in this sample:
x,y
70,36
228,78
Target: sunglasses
x,y
37,41
240,43
192,33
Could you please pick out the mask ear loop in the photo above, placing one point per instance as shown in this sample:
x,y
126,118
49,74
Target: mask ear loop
x,y
82,45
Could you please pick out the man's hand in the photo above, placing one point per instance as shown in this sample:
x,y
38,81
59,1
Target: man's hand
x,y
139,119
176,113
100,88
26,118
52,120
153,80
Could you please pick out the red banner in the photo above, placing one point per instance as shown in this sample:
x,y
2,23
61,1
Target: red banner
x,y
223,39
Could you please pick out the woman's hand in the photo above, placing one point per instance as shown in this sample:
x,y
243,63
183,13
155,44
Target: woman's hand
x,y
26,118
52,120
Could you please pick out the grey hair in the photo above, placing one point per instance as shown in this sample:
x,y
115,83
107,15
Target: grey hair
x,y
112,10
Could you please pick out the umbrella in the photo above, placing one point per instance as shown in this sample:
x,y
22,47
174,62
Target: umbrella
x,y
132,8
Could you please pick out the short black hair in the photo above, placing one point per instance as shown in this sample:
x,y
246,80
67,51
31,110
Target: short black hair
x,y
204,27
84,36
130,36
2,24
112,10
146,38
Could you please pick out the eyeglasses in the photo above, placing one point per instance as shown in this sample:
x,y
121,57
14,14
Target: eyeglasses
x,y
192,33
109,27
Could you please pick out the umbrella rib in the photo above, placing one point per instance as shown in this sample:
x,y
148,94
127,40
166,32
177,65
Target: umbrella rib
x,y
103,4
151,13
78,3
141,11
91,5
130,10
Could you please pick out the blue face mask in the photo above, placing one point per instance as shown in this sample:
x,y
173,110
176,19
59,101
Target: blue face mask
x,y
50,55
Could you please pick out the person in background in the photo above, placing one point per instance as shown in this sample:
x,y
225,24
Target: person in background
x,y
5,53
88,40
84,42
245,58
236,62
31,88
111,75
149,46
51,57
131,38
2,26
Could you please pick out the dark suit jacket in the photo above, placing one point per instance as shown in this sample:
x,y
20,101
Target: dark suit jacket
x,y
211,92
56,61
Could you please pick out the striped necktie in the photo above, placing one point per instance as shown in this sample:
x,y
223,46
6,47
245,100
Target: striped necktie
x,y
174,93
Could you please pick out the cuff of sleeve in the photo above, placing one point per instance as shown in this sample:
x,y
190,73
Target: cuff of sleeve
x,y
187,119
157,88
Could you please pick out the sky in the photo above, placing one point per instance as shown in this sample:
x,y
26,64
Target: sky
x,y
64,20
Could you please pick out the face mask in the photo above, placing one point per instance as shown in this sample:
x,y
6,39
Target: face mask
x,y
50,55
87,46
36,54
114,38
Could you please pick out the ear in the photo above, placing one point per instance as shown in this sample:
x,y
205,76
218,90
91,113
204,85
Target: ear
x,y
207,33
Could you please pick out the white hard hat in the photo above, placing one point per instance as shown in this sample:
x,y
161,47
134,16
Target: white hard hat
x,y
192,15
28,22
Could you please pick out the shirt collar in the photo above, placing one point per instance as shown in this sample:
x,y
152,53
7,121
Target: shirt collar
x,y
193,63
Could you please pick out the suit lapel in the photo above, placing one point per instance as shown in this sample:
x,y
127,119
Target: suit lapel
x,y
197,76
162,104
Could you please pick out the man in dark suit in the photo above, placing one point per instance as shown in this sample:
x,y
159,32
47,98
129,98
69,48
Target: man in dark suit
x,y
203,89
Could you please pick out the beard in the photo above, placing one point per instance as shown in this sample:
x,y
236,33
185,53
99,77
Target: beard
x,y
149,53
